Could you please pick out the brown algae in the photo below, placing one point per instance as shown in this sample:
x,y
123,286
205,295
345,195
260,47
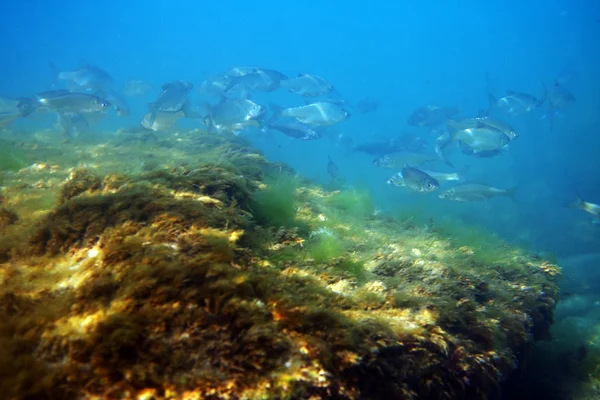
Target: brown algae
x,y
171,279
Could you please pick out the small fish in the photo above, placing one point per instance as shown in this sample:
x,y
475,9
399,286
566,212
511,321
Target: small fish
x,y
215,86
431,116
266,80
458,176
173,98
332,168
65,101
117,101
86,77
380,148
415,179
72,124
469,151
401,158
593,209
234,113
235,72
136,87
314,114
162,121
294,128
480,122
307,85
559,97
471,192
478,139
515,103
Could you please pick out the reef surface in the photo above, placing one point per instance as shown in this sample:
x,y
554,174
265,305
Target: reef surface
x,y
187,266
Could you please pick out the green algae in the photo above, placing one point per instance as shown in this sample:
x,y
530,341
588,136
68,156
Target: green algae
x,y
277,204
11,157
325,247
356,203
197,273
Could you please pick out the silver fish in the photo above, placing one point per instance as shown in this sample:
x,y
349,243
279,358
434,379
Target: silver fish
x,y
415,179
215,86
431,116
65,101
315,114
294,128
72,124
174,97
559,97
470,192
136,87
515,103
480,122
458,176
593,209
162,120
479,139
266,80
86,77
307,85
118,102
401,158
233,113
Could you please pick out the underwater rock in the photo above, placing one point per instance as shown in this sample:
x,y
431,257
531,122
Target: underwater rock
x,y
81,180
163,284
7,218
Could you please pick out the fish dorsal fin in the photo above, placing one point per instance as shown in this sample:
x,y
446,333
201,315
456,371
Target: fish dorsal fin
x,y
83,63
510,92
300,74
166,86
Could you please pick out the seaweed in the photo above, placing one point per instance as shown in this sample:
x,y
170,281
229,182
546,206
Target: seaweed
x,y
223,278
354,203
12,158
277,204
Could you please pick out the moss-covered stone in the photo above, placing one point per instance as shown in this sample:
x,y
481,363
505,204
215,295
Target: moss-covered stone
x,y
196,279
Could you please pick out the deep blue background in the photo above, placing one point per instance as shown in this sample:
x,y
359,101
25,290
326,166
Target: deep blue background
x,y
406,55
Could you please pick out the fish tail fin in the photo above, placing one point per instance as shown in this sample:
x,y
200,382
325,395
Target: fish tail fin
x,y
439,150
577,203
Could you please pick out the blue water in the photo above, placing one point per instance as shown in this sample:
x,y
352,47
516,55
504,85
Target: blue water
x,y
404,55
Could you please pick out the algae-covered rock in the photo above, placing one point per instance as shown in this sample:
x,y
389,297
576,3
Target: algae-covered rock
x,y
201,281
12,158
